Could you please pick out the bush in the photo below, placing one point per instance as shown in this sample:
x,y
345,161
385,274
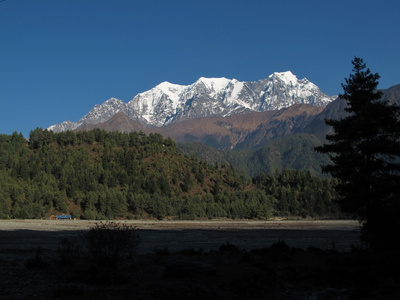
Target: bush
x,y
109,242
228,247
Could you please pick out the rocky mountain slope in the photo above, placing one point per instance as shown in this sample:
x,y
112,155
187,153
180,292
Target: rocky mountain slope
x,y
242,131
169,103
247,130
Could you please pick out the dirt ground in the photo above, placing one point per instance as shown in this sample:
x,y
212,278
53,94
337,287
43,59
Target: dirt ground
x,y
282,260
179,235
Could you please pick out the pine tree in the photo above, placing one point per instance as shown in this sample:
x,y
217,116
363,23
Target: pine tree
x,y
365,152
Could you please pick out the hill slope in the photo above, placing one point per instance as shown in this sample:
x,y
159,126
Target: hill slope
x,y
102,175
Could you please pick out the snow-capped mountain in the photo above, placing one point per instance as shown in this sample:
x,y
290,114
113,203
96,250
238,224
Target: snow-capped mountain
x,y
169,103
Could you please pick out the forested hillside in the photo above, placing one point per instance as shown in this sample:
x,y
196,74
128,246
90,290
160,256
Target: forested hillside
x,y
291,152
105,175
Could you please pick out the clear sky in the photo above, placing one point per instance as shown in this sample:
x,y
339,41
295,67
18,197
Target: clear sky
x,y
59,58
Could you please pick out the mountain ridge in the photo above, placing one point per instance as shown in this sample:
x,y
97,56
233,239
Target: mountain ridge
x,y
239,131
248,130
262,141
169,103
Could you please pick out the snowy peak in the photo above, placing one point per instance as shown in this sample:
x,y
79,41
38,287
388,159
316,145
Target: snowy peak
x,y
105,111
169,103
286,77
170,88
154,105
214,84
98,114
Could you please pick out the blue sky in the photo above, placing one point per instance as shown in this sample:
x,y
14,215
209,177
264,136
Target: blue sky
x,y
58,58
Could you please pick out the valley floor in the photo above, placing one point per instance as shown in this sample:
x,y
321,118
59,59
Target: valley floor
x,y
179,235
305,260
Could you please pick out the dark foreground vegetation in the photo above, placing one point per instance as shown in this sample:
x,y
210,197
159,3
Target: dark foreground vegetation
x,y
365,152
108,175
102,264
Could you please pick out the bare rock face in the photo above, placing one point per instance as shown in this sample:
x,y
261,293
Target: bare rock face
x,y
118,122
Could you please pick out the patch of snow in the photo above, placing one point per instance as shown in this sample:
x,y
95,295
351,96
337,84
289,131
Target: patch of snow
x,y
173,91
287,77
215,84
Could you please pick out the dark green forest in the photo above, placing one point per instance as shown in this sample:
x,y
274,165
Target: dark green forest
x,y
290,152
112,175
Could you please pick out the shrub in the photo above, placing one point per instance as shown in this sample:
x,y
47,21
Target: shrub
x,y
109,242
228,247
280,246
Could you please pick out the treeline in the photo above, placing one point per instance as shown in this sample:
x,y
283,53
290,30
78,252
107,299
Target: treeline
x,y
107,175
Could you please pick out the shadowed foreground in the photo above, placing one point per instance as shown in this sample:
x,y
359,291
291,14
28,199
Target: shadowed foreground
x,y
241,260
179,235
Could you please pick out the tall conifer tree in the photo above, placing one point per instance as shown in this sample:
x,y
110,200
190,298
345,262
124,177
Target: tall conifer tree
x,y
365,153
